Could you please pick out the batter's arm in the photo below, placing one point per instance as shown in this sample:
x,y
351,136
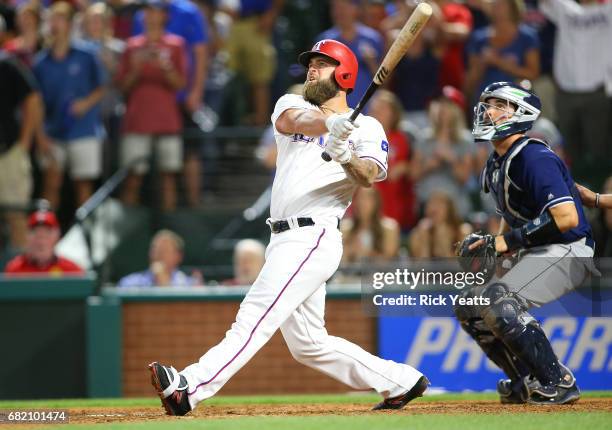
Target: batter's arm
x,y
302,121
361,171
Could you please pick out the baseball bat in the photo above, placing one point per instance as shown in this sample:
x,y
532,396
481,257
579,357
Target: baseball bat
x,y
405,38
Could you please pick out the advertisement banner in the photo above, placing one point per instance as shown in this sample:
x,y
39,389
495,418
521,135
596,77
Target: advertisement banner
x,y
439,348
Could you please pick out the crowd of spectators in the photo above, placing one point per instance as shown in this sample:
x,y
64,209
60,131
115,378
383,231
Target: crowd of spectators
x,y
86,80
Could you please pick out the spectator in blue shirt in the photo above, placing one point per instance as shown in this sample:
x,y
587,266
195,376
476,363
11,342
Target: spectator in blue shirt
x,y
72,85
165,256
185,20
365,42
504,51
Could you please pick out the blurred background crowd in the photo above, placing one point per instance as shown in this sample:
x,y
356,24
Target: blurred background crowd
x,y
136,134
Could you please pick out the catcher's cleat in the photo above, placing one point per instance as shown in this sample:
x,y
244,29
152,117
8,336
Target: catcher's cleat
x,y
171,388
567,377
510,392
402,400
563,393
562,396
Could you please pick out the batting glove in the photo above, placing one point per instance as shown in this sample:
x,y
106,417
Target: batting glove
x,y
338,149
340,125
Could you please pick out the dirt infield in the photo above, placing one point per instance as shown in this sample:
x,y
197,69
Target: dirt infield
x,y
134,414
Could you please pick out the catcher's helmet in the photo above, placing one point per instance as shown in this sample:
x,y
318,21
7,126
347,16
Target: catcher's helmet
x,y
346,71
527,109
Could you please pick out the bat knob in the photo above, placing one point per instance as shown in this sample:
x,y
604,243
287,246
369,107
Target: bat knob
x,y
325,156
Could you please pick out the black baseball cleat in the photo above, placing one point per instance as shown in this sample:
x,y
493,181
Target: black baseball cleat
x,y
568,379
563,393
402,400
510,392
171,388
556,395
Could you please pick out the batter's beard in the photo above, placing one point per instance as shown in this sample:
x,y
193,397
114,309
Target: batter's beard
x,y
318,92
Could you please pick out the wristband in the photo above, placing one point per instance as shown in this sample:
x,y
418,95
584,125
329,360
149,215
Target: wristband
x,y
539,231
596,200
344,160
514,239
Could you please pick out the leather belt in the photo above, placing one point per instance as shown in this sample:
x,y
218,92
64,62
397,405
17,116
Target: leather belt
x,y
283,225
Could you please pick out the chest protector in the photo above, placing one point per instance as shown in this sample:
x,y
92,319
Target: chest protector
x,y
512,202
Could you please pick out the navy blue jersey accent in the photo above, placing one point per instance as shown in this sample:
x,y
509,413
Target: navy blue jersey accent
x,y
528,179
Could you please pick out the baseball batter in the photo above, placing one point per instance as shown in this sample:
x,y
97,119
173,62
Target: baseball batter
x,y
309,197
543,220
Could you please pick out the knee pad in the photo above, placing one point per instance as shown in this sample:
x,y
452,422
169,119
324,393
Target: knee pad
x,y
465,312
479,331
502,315
495,291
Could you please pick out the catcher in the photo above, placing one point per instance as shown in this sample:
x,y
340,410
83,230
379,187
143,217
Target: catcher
x,y
543,223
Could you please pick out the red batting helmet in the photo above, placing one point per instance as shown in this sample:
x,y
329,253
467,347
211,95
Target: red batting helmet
x,y
346,71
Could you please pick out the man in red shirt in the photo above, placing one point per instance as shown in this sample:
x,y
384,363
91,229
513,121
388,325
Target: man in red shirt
x,y
152,71
40,257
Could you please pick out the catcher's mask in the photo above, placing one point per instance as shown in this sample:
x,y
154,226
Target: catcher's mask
x,y
526,105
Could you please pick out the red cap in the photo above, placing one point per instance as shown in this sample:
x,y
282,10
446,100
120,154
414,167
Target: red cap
x,y
454,95
43,217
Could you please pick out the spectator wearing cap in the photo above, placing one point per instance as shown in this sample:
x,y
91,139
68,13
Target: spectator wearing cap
x,y
72,84
507,50
40,257
444,157
20,117
364,41
249,258
152,71
165,257
186,20
454,30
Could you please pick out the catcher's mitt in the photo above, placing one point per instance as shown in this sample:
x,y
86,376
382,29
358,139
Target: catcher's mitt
x,y
481,259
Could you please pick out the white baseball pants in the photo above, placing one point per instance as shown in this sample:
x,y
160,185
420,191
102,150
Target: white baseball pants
x,y
290,294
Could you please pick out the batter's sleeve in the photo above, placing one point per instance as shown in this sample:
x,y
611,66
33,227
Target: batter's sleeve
x,y
286,102
373,145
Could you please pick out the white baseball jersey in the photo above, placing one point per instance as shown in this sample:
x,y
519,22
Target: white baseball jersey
x,y
581,62
307,186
